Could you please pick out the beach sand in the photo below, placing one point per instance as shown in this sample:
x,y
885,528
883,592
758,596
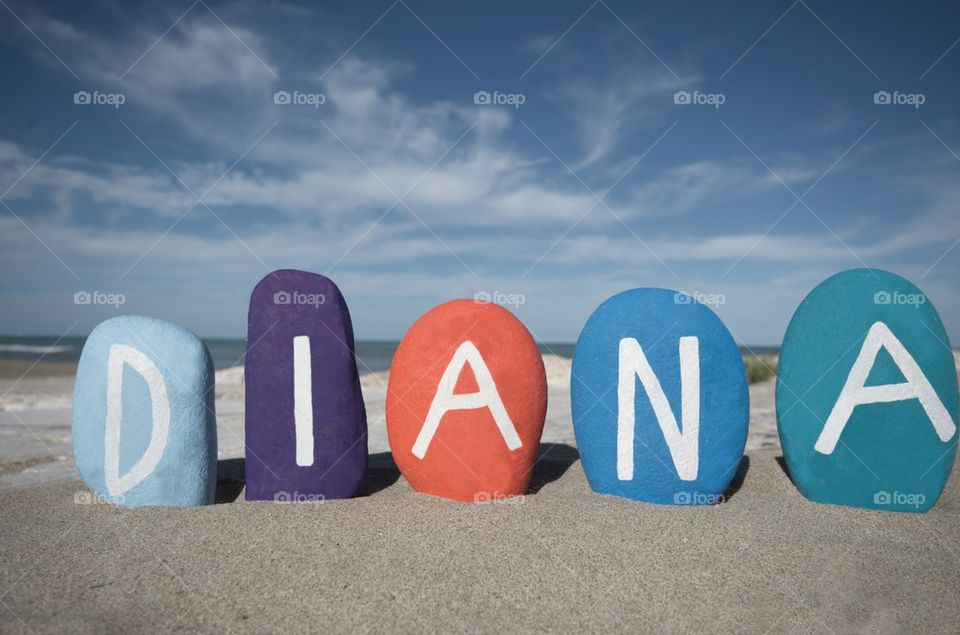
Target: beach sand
x,y
560,558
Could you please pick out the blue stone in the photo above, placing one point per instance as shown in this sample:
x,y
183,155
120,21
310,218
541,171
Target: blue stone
x,y
631,355
144,427
867,394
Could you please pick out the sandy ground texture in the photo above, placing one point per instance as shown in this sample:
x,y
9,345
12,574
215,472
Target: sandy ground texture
x,y
560,558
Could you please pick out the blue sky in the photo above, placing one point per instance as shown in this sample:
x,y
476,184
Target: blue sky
x,y
408,193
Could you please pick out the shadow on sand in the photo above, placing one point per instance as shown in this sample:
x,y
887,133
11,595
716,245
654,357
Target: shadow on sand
x,y
782,462
230,478
738,478
553,460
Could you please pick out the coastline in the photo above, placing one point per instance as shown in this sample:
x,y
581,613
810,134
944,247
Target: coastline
x,y
16,369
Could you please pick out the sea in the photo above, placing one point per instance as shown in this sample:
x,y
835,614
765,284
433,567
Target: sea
x,y
372,355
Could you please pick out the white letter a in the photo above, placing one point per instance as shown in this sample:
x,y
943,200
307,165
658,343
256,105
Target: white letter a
x,y
854,392
486,396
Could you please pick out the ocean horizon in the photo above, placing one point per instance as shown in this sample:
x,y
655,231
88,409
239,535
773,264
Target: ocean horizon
x,y
372,355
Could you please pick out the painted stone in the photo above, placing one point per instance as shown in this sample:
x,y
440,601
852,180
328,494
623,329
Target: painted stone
x,y
867,394
306,426
144,426
659,399
466,401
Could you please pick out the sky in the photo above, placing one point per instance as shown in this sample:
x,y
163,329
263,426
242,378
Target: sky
x,y
543,155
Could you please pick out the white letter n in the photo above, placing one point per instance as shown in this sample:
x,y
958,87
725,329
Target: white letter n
x,y
486,396
683,446
855,393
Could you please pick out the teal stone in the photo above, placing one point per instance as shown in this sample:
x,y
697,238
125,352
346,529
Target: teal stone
x,y
144,428
867,394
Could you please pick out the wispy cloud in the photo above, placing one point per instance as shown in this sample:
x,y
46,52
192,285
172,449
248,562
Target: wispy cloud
x,y
399,185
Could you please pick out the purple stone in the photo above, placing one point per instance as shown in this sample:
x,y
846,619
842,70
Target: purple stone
x,y
306,427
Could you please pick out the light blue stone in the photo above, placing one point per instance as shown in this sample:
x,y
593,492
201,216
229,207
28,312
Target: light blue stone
x,y
137,464
661,322
887,455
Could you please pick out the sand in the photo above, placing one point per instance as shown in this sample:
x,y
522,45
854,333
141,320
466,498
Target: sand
x,y
560,558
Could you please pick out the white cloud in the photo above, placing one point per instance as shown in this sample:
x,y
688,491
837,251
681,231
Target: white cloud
x,y
496,198
603,108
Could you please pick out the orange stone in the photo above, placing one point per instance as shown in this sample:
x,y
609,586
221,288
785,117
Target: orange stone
x,y
466,401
